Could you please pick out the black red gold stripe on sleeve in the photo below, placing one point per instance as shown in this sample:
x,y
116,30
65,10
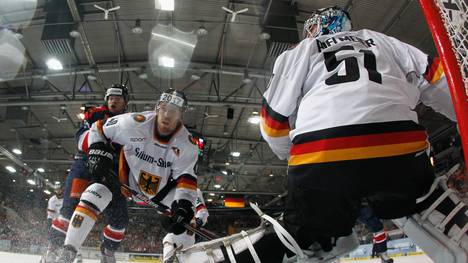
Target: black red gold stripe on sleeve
x,y
200,207
187,181
317,147
434,70
273,123
123,173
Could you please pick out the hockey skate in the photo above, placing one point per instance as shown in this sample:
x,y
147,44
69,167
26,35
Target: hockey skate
x,y
67,254
79,258
50,255
107,256
385,258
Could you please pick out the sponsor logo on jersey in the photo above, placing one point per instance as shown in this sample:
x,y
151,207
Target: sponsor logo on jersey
x,y
77,221
111,122
149,183
139,118
137,139
148,158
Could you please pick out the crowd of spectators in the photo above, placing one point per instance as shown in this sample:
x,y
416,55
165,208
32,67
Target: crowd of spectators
x,y
24,227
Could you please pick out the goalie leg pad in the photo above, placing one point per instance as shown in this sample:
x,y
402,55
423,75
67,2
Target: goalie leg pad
x,y
93,201
441,229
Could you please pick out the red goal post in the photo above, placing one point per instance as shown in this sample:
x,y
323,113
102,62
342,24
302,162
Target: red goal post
x,y
448,23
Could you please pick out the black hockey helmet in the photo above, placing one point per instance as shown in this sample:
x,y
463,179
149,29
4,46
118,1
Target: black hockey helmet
x,y
117,90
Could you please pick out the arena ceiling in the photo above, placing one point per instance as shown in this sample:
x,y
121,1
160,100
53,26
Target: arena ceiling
x,y
225,70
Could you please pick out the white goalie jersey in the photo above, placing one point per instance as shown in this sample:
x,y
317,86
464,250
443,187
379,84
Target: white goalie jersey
x,y
146,163
345,80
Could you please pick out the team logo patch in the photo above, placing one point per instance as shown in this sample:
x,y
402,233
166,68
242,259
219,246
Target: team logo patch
x,y
77,221
193,140
149,183
176,151
111,122
139,118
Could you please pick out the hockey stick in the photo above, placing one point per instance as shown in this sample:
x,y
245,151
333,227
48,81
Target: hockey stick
x,y
160,207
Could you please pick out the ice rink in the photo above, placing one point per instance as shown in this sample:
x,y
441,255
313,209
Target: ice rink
x,y
6,257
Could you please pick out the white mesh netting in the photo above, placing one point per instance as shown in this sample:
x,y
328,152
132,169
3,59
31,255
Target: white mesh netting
x,y
454,15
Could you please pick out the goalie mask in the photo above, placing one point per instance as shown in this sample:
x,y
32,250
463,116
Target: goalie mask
x,y
325,21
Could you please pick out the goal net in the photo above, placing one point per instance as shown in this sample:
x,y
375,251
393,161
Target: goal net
x,y
454,14
448,23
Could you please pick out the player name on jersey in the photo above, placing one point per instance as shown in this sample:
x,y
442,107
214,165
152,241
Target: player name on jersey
x,y
328,42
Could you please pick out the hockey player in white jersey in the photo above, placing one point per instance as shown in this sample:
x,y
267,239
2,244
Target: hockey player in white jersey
x,y
54,205
157,158
340,108
173,242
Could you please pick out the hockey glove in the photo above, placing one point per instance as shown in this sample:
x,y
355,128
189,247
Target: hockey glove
x,y
182,212
198,222
100,162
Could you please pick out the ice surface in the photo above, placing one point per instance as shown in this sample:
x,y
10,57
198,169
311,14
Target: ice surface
x,y
6,257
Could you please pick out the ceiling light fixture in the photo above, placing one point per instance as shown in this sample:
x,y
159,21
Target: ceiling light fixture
x,y
209,200
137,29
31,190
217,186
194,77
10,169
17,151
165,61
246,78
165,5
201,31
40,169
47,192
265,35
75,33
91,77
31,182
254,119
235,154
212,194
54,64
57,182
224,172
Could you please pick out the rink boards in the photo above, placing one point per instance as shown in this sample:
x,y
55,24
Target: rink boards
x,y
24,258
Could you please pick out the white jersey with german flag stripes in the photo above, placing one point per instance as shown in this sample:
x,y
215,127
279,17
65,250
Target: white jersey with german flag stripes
x,y
350,95
146,162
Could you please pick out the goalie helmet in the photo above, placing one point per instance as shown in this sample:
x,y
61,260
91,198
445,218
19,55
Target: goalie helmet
x,y
327,20
117,90
175,98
